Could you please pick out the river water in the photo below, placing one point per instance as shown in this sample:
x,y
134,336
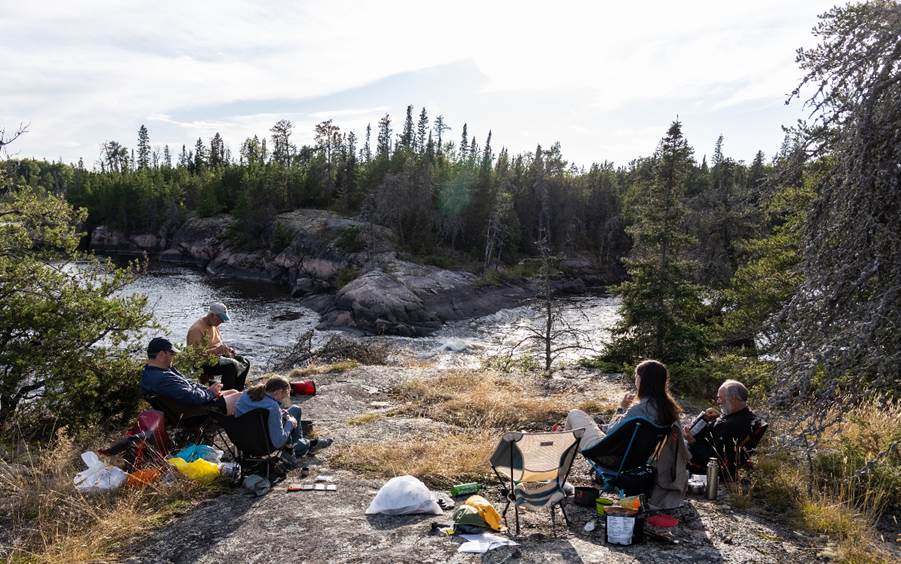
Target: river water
x,y
264,318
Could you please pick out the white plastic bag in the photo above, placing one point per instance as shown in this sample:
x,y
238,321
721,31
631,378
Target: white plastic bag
x,y
403,495
99,477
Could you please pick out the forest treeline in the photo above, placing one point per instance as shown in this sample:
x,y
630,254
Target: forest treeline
x,y
439,196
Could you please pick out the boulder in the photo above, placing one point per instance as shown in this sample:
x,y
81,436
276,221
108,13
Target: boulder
x,y
250,265
202,238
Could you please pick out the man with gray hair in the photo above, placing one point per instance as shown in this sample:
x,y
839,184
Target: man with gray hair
x,y
726,430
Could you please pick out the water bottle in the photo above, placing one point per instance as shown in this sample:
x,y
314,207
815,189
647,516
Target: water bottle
x,y
713,478
464,489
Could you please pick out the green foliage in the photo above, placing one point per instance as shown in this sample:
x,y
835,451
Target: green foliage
x,y
350,240
68,339
702,378
346,275
661,308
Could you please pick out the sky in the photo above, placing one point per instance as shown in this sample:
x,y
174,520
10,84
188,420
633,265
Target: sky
x,y
603,78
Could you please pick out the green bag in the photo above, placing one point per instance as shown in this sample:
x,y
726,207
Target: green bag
x,y
468,520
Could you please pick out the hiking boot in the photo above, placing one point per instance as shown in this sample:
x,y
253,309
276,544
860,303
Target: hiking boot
x,y
288,458
319,444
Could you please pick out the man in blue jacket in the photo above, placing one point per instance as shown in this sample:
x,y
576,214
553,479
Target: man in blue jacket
x,y
162,379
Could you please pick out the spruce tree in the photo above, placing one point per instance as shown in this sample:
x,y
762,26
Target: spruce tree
x,y
366,152
440,128
200,155
464,144
406,139
661,308
422,130
383,146
143,147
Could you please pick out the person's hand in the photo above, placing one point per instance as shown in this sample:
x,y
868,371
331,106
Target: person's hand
x,y
231,351
686,432
711,413
216,389
628,398
292,420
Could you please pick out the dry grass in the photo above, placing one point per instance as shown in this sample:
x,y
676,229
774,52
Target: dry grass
x,y
365,418
836,497
316,369
439,460
53,522
597,407
482,399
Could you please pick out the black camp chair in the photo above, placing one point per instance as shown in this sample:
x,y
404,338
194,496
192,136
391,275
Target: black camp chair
x,y
620,461
253,450
532,469
186,423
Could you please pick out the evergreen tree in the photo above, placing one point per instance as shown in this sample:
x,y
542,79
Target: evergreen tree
x,y
143,147
422,131
282,149
440,128
183,160
661,308
464,144
167,157
200,155
383,146
217,151
366,154
407,137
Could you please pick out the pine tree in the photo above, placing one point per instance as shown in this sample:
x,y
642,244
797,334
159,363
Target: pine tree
x,y
167,157
282,150
217,151
407,137
464,144
661,308
422,130
143,147
366,153
440,128
183,159
200,155
383,146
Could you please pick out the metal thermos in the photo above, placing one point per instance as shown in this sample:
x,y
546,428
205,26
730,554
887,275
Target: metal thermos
x,y
713,478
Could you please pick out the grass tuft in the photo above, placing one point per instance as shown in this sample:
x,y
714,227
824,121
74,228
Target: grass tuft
x,y
482,400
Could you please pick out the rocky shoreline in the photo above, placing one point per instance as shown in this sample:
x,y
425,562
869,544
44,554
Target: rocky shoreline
x,y
347,270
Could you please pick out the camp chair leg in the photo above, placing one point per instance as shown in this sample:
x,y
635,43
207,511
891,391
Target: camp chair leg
x,y
563,511
554,520
516,511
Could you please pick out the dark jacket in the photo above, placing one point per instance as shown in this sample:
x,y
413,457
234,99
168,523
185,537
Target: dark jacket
x,y
172,384
721,439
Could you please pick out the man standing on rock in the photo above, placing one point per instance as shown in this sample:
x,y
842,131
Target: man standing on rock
x,y
205,335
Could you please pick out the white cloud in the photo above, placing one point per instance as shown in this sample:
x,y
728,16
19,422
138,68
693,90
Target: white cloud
x,y
83,72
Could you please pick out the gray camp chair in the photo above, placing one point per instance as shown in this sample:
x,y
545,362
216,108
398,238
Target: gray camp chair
x,y
532,469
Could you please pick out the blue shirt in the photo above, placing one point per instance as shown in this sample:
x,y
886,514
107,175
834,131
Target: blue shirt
x,y
172,384
279,426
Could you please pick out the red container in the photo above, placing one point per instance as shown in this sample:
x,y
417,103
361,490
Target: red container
x,y
303,388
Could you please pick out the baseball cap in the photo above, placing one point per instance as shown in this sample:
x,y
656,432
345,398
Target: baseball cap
x,y
219,309
159,344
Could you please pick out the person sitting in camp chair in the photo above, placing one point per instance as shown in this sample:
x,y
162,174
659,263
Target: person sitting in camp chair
x,y
728,431
654,403
642,427
283,424
160,378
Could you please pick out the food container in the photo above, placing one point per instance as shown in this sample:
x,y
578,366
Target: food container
x,y
303,388
585,496
624,526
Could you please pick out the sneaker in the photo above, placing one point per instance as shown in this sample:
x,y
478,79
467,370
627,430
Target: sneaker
x,y
288,458
320,444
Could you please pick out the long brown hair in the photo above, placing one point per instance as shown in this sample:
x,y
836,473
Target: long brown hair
x,y
273,384
654,385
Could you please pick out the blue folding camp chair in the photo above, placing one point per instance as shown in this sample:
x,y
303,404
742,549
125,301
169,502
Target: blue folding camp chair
x,y
620,461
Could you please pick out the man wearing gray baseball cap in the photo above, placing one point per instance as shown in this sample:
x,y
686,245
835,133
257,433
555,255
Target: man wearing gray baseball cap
x,y
204,334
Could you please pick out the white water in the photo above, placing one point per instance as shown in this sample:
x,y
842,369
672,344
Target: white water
x,y
265,318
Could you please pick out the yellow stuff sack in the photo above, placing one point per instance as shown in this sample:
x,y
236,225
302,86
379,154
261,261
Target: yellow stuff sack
x,y
487,511
200,470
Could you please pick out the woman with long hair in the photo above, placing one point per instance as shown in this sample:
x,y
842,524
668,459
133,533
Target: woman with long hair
x,y
284,424
653,402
